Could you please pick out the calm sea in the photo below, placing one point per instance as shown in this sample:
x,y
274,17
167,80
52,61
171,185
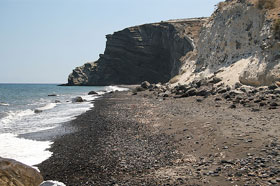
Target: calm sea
x,y
18,103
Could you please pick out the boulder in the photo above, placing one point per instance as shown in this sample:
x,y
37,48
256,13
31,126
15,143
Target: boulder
x,y
139,89
37,111
272,87
145,85
222,90
183,88
196,83
237,85
235,92
274,104
166,94
52,95
179,92
226,96
246,89
77,99
14,173
263,88
92,93
276,91
203,92
52,183
215,80
192,92
233,106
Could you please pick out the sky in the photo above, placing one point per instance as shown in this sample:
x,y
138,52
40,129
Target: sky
x,y
42,41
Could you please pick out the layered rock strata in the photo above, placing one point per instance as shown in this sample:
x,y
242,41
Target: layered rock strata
x,y
152,52
239,43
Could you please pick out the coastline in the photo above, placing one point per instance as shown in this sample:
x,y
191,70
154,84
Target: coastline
x,y
36,116
103,149
148,140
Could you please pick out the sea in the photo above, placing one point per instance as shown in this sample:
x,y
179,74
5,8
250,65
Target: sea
x,y
33,108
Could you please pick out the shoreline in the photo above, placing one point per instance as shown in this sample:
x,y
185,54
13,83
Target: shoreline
x,y
49,134
147,140
85,156
28,130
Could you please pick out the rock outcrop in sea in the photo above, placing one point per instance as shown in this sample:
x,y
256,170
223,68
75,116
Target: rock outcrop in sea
x,y
239,43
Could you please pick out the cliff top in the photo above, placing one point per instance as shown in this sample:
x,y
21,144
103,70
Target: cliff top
x,y
180,21
270,7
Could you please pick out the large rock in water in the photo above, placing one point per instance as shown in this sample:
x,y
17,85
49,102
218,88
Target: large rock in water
x,y
78,99
151,52
14,173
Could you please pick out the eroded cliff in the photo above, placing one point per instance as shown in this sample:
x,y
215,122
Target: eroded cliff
x,y
238,44
152,52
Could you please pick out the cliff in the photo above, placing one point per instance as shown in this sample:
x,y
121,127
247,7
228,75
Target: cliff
x,y
152,52
239,43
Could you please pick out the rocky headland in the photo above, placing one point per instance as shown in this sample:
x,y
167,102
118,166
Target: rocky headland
x,y
238,43
152,52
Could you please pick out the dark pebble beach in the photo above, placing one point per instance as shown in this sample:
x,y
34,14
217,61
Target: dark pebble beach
x,y
143,138
109,147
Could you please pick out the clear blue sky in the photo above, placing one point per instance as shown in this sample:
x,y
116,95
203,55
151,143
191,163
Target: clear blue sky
x,y
41,41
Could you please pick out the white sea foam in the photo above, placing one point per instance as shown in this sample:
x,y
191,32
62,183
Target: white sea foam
x,y
52,183
29,152
15,116
18,122
4,104
115,88
89,97
48,106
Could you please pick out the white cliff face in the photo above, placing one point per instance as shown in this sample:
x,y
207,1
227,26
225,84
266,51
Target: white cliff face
x,y
234,33
236,44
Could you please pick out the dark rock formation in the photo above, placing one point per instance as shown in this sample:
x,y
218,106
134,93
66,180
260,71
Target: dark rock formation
x,y
52,95
16,173
92,93
78,100
151,52
37,111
